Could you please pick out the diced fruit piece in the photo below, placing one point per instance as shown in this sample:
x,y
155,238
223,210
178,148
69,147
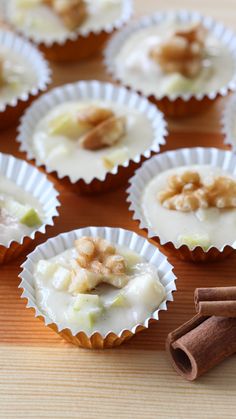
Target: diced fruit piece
x,y
194,240
115,158
83,281
30,218
131,258
59,151
61,278
86,300
46,268
145,289
27,3
24,213
68,125
119,301
116,281
178,83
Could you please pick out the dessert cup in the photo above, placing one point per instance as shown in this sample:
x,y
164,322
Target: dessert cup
x,y
173,159
93,90
114,235
175,105
11,111
229,123
31,180
75,45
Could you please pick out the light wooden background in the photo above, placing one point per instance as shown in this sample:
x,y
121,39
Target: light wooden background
x,y
41,376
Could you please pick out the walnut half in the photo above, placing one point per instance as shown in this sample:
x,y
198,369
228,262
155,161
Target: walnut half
x,y
72,12
182,52
186,192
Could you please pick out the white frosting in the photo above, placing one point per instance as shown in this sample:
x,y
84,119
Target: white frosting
x,y
142,295
135,68
10,227
64,155
39,21
210,227
18,75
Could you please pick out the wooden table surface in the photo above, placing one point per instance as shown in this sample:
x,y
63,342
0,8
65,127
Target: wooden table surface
x,y
41,376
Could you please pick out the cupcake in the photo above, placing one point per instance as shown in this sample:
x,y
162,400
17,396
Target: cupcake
x,y
181,60
97,286
91,134
67,29
28,204
186,199
229,123
23,75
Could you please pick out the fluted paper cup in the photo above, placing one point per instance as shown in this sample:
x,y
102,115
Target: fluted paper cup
x,y
93,90
187,103
174,159
32,181
117,236
229,123
76,45
11,111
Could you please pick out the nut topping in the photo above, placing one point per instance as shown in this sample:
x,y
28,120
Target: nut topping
x,y
182,52
105,134
93,115
72,12
186,192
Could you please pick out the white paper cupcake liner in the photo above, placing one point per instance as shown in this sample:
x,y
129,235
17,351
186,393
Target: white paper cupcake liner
x,y
118,236
229,123
168,160
127,10
226,36
31,180
93,90
34,59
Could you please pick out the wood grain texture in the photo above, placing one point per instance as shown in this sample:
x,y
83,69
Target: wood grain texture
x,y
41,376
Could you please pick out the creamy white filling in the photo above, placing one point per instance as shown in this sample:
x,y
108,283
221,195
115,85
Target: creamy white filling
x,y
209,227
135,67
10,226
38,20
117,309
64,155
18,76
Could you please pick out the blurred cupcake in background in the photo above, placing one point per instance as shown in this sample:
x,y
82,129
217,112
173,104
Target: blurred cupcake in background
x,y
181,60
67,29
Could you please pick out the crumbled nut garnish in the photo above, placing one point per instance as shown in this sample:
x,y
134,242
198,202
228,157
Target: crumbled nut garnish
x,y
105,134
92,115
97,262
186,192
183,52
72,12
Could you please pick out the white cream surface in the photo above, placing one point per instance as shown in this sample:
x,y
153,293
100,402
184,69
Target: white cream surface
x,y
135,67
10,227
39,21
142,295
64,155
17,74
208,227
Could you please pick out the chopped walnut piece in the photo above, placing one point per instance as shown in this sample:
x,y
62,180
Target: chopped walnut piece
x,y
72,12
97,262
182,52
92,115
104,135
186,192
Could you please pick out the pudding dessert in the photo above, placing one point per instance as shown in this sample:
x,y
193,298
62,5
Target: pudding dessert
x,y
172,57
97,286
16,76
192,205
20,212
55,20
86,139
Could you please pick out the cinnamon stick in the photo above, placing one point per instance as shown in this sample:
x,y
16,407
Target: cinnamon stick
x,y
200,344
219,301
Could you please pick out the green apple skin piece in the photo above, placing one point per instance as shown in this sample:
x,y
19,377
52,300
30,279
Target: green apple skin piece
x,y
86,300
194,240
179,84
119,301
67,125
24,213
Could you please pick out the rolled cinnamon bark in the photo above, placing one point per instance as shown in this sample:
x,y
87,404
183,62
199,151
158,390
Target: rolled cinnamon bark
x,y
215,294
200,344
219,301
